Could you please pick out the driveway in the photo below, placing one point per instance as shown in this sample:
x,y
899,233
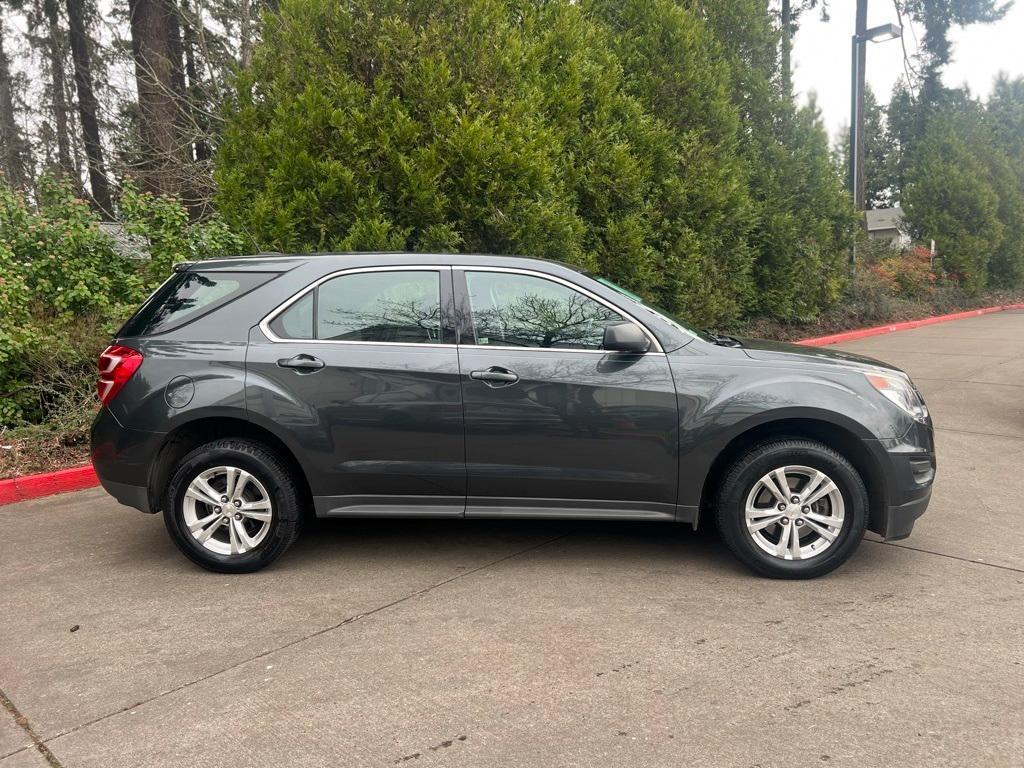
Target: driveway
x,y
420,643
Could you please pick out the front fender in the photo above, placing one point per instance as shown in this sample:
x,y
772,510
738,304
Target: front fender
x,y
719,403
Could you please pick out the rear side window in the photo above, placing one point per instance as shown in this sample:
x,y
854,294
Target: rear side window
x,y
387,306
187,296
297,321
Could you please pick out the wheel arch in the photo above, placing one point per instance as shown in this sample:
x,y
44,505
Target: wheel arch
x,y
838,437
190,435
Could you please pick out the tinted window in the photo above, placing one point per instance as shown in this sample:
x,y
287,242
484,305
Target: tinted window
x,y
187,296
515,310
380,306
296,322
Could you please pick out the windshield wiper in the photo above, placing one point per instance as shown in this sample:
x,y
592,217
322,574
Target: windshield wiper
x,y
722,340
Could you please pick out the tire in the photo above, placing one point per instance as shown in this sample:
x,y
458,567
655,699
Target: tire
x,y
746,500
257,530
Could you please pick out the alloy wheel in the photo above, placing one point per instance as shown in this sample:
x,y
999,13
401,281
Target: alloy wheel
x,y
227,510
794,512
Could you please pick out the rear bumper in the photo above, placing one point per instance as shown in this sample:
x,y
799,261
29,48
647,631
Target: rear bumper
x,y
122,459
908,465
136,496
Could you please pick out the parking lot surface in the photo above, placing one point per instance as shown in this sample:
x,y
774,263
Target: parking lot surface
x,y
513,643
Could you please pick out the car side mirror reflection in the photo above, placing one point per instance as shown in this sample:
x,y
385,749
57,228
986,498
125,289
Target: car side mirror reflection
x,y
625,337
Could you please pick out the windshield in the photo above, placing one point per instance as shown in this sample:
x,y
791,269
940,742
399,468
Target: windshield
x,y
666,316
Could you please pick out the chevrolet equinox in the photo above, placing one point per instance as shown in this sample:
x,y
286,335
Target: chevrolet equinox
x,y
248,392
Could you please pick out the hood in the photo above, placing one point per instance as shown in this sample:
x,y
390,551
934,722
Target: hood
x,y
783,352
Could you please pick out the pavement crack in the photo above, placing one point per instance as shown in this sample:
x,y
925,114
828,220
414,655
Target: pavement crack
x,y
975,432
323,631
24,724
951,557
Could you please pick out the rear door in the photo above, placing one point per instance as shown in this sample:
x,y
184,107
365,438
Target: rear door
x,y
554,424
361,371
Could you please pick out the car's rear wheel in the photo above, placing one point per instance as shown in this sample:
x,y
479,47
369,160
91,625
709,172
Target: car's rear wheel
x,y
792,509
233,506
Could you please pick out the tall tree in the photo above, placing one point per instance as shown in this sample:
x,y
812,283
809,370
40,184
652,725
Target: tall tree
x,y
54,44
1005,119
87,106
938,17
953,190
160,87
198,124
804,219
15,150
880,155
245,29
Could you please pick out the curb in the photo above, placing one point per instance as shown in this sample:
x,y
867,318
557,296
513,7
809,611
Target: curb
x,y
47,484
79,478
878,330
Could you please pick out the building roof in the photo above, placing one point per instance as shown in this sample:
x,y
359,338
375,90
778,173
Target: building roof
x,y
129,246
883,218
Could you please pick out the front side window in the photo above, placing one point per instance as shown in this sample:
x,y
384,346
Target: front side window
x,y
387,306
515,310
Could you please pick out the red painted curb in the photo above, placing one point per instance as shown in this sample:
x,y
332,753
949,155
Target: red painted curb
x,y
78,478
878,330
47,484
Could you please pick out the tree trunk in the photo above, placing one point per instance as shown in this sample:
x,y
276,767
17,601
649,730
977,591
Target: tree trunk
x,y
245,32
15,149
787,46
58,82
88,108
160,85
198,123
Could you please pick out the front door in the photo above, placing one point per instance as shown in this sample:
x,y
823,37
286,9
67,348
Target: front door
x,y
554,424
362,373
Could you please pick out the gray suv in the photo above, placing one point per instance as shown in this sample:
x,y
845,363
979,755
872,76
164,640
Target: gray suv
x,y
247,393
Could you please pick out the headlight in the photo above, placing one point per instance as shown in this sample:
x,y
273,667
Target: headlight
x,y
900,391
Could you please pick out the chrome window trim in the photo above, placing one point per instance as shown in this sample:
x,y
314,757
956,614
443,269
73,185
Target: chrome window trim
x,y
656,345
264,324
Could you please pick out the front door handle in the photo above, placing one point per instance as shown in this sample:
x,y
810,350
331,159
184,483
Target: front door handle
x,y
495,376
302,363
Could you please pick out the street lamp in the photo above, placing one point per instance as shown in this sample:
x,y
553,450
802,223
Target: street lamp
x,y
860,40
861,36
880,34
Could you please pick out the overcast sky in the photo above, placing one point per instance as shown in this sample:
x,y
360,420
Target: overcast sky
x,y
821,56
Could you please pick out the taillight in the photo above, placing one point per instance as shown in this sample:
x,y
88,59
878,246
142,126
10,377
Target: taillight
x,y
117,364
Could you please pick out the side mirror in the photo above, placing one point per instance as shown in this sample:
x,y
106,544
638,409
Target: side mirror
x,y
625,337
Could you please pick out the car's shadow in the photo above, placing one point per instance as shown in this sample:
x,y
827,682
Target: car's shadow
x,y
572,542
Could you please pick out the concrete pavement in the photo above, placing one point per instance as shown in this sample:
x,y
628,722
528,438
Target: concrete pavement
x,y
471,643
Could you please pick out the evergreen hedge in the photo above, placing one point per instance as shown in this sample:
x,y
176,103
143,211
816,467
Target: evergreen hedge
x,y
649,140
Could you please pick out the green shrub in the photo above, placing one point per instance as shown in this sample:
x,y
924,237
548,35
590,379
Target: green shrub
x,y
163,223
64,290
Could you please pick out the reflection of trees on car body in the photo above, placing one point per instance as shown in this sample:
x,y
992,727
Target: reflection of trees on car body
x,y
526,311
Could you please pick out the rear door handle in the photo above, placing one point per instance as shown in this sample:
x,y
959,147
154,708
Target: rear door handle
x,y
302,363
495,376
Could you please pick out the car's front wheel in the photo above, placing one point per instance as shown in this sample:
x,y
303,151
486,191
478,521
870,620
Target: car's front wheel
x,y
232,506
792,509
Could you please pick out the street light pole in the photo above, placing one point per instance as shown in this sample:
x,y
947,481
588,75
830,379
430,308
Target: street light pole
x,y
859,45
859,60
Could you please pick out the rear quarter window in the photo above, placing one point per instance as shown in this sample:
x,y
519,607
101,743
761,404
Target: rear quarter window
x,y
187,296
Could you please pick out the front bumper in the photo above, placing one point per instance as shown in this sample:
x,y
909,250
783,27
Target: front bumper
x,y
908,468
122,459
900,518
